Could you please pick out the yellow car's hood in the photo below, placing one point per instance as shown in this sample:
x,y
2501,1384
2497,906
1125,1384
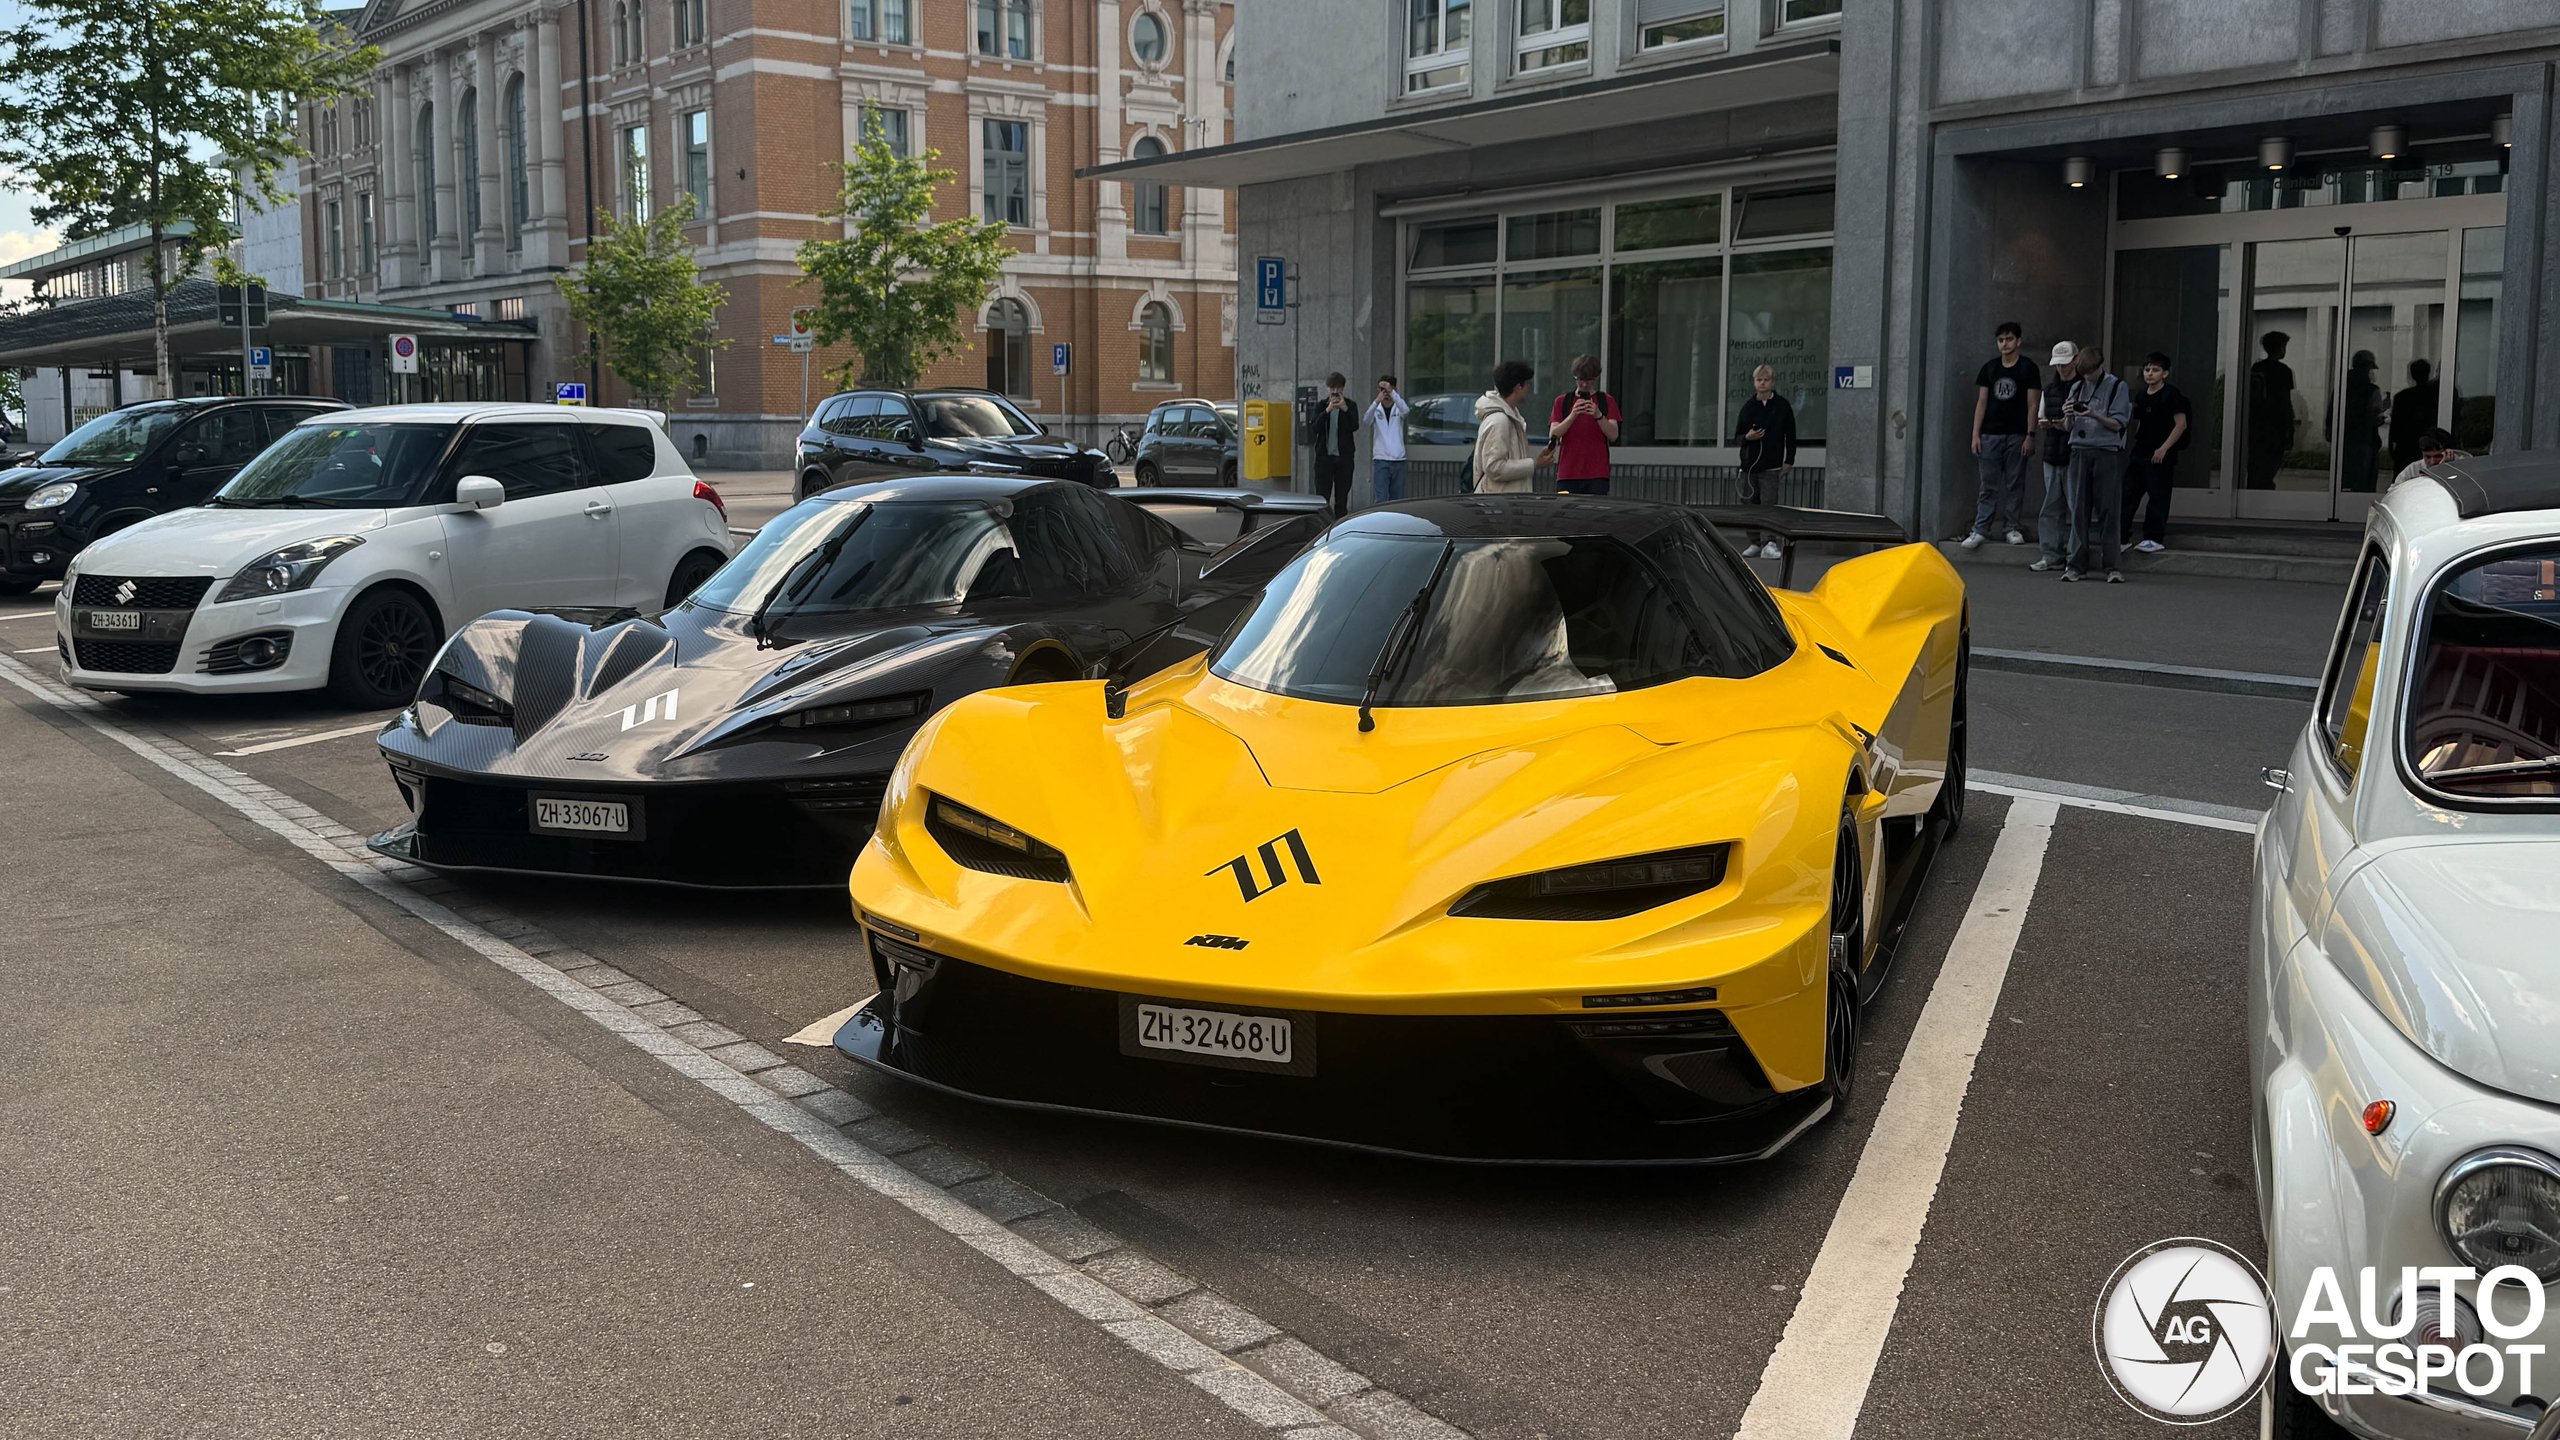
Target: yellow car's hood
x,y
1214,814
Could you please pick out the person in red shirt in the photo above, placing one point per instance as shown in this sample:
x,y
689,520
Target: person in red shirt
x,y
1582,425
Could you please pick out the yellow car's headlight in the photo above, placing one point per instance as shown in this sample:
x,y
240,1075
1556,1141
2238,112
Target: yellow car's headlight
x,y
982,842
1600,890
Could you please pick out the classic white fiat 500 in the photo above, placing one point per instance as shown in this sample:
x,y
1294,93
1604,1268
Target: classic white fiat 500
x,y
2404,995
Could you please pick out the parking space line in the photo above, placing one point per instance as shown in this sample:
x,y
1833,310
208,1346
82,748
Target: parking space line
x,y
2119,802
367,728
1816,1380
1272,1379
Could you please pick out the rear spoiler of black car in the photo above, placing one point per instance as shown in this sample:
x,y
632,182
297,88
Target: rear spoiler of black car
x,y
1791,523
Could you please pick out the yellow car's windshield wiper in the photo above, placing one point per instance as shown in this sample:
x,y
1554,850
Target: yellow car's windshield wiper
x,y
1408,624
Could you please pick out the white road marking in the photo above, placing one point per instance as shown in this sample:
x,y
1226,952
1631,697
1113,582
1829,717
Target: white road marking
x,y
367,728
1347,1397
46,614
822,1032
38,650
2229,822
1816,1380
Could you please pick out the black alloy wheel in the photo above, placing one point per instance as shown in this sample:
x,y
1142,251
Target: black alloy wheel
x,y
810,484
382,651
691,571
1948,810
1148,475
1227,474
1848,936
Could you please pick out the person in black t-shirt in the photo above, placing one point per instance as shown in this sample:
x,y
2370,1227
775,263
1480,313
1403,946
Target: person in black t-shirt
x,y
2162,419
2004,399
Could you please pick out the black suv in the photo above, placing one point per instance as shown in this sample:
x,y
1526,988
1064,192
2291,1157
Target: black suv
x,y
1188,442
129,465
883,434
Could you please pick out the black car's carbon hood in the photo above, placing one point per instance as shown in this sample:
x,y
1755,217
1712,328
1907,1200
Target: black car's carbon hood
x,y
19,483
688,695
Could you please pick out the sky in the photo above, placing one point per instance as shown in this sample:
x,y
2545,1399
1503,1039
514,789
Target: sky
x,y
19,238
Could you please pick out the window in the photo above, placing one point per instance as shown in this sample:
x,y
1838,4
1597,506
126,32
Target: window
x,y
1677,22
1147,38
364,235
2475,355
623,453
622,32
637,20
1008,171
886,126
1552,33
1455,242
1155,342
528,459
1449,336
1231,64
1779,314
329,129
1008,348
635,172
1801,12
519,198
2484,715
862,20
2346,702
704,383
333,242
362,118
690,22
1151,217
1665,335
1767,215
1554,234
697,160
467,119
427,226
1002,27
1435,50
894,28
1662,224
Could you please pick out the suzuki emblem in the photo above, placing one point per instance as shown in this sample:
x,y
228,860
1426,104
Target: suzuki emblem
x,y
126,591
1269,850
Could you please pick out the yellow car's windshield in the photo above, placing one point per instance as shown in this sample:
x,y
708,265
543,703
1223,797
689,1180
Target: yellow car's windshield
x,y
1503,620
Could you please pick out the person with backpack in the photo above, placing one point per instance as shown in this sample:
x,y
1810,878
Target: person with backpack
x,y
1502,462
1765,433
2161,420
1582,424
2099,409
2053,448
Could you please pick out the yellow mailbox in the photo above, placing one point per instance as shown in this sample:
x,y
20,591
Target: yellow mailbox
x,y
1266,440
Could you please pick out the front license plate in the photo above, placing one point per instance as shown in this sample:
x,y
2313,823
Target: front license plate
x,y
115,619
1240,1040
583,815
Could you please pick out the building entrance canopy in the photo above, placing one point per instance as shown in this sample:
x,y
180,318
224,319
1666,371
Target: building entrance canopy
x,y
114,331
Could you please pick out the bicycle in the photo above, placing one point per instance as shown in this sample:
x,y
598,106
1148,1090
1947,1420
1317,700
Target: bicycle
x,y
1122,447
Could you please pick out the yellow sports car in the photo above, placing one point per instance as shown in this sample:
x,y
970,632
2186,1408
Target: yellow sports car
x,y
1500,828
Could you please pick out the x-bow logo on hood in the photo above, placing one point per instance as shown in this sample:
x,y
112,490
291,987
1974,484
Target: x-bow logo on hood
x,y
642,715
1269,850
125,592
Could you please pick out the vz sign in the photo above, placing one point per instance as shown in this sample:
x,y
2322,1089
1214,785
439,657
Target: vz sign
x,y
641,715
1274,875
1219,942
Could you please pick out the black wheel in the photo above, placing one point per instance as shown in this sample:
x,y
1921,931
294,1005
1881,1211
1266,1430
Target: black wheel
x,y
691,571
381,654
1848,946
1148,475
810,484
1047,667
10,585
1949,809
1227,473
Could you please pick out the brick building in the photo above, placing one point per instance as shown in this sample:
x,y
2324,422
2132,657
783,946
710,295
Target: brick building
x,y
453,186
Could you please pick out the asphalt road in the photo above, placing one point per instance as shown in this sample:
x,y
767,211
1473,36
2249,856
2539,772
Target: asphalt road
x,y
287,1159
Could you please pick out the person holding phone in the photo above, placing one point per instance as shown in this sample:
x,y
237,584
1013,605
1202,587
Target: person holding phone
x,y
1385,419
1765,432
1581,426
2099,409
1337,442
2052,430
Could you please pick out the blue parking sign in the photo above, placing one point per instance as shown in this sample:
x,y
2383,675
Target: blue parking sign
x,y
569,392
1270,283
1058,358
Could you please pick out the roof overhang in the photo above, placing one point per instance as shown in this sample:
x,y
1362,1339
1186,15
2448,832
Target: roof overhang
x,y
1730,82
118,331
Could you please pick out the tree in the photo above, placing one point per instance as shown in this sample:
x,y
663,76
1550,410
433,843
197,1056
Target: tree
x,y
896,287
644,303
134,112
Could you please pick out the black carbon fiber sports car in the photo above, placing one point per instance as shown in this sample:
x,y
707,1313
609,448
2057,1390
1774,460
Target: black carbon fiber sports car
x,y
744,736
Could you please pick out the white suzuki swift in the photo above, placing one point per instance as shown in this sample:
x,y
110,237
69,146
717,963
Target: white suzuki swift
x,y
345,553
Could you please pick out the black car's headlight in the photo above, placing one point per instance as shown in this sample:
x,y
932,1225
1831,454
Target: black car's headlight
x,y
49,496
468,702
1600,890
292,567
982,842
856,712
2501,1206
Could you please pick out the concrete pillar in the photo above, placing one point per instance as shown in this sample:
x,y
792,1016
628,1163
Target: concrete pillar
x,y
489,242
446,245
1111,206
547,239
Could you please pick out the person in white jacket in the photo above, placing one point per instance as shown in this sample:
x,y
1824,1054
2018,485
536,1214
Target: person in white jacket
x,y
1503,460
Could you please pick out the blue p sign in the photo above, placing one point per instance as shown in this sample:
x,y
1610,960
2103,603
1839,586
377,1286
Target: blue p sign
x,y
1270,283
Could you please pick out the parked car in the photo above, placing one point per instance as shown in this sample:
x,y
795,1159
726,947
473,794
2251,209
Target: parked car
x,y
1187,442
884,434
744,737
345,553
1446,420
2404,999
127,466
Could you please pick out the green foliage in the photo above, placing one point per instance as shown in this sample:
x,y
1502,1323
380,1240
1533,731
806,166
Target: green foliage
x,y
897,288
645,305
134,112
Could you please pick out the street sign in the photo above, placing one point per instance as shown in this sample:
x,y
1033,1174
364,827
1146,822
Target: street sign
x,y
804,321
262,362
1058,358
404,354
804,343
1853,377
1270,289
227,303
569,392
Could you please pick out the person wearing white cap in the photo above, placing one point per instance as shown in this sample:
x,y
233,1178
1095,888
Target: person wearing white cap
x,y
2053,443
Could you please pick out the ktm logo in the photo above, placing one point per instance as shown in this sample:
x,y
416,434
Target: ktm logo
x,y
638,715
1273,876
1219,942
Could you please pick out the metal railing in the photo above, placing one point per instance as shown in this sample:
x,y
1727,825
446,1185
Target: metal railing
x,y
1679,484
